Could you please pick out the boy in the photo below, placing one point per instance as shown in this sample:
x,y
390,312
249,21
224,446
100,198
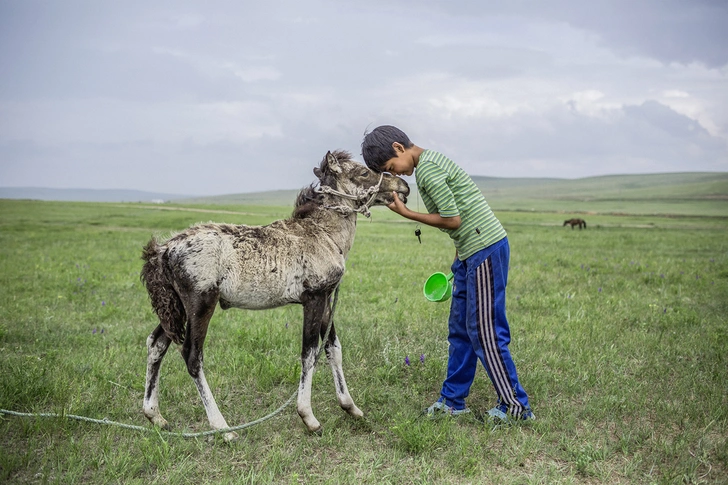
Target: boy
x,y
478,328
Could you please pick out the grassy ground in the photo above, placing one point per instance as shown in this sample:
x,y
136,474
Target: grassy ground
x,y
619,335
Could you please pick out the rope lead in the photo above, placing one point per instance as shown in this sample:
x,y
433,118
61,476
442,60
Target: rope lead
x,y
200,434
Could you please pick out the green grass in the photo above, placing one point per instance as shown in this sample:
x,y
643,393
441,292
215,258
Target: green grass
x,y
619,334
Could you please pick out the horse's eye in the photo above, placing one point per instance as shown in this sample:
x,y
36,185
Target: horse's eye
x,y
365,173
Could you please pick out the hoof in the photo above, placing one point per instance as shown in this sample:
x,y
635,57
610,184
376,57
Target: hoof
x,y
355,412
230,437
160,422
312,424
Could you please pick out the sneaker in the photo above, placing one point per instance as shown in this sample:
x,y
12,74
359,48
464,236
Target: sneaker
x,y
441,409
497,415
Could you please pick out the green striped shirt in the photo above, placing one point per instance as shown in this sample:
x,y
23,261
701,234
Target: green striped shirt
x,y
445,188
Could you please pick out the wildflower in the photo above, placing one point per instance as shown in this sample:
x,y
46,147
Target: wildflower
x,y
600,289
406,360
103,303
422,358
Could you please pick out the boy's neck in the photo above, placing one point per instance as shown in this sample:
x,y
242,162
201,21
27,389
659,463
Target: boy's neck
x,y
416,152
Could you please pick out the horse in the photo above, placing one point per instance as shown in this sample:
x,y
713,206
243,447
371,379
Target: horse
x,y
299,260
575,222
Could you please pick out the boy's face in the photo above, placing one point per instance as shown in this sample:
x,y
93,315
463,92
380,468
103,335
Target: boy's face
x,y
403,163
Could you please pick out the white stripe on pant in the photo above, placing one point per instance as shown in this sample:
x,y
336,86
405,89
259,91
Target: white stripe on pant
x,y
489,339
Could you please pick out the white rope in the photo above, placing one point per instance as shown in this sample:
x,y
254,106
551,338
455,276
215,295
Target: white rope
x,y
371,192
200,434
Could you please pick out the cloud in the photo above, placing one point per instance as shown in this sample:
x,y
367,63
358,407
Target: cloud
x,y
235,97
666,30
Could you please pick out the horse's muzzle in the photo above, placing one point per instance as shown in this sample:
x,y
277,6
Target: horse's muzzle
x,y
405,192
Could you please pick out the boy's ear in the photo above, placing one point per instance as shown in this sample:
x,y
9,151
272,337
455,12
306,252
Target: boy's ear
x,y
398,147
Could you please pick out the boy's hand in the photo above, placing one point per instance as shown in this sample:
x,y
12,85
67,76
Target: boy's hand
x,y
397,206
434,220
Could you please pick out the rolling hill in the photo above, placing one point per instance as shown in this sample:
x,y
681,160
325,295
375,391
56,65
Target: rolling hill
x,y
691,193
86,195
671,193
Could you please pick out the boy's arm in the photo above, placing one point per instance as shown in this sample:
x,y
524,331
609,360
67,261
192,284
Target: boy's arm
x,y
434,220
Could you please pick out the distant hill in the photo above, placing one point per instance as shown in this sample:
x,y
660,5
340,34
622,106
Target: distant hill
x,y
694,193
703,193
273,197
692,185
641,193
86,195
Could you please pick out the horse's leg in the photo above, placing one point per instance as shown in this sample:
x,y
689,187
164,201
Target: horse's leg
x,y
333,354
157,345
199,308
314,306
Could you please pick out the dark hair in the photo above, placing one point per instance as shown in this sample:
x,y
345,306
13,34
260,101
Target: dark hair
x,y
377,145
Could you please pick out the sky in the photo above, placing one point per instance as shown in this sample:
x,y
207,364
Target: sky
x,y
224,97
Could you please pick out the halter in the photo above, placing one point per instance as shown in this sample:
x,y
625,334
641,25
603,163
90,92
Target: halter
x,y
371,193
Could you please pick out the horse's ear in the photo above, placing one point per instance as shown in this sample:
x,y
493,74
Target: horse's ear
x,y
317,172
332,163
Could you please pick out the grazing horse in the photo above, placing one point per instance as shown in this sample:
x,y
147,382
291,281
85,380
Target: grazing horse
x,y
575,222
298,260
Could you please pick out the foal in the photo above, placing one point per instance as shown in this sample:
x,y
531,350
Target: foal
x,y
298,260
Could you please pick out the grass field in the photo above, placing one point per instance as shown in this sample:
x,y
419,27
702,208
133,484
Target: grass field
x,y
619,332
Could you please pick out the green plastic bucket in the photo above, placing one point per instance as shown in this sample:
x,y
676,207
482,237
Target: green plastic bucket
x,y
438,287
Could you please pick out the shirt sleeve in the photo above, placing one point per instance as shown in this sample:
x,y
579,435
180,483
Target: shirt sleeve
x,y
434,180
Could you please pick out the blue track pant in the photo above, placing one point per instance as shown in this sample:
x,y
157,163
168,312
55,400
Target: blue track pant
x,y
478,330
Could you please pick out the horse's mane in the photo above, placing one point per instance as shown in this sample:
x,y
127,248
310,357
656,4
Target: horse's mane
x,y
308,200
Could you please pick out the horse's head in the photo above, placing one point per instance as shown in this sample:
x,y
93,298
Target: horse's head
x,y
340,176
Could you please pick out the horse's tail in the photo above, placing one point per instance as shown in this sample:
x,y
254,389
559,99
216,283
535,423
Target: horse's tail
x,y
165,300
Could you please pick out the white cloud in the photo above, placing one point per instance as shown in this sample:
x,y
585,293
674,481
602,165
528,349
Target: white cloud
x,y
187,21
111,121
504,88
675,93
253,74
